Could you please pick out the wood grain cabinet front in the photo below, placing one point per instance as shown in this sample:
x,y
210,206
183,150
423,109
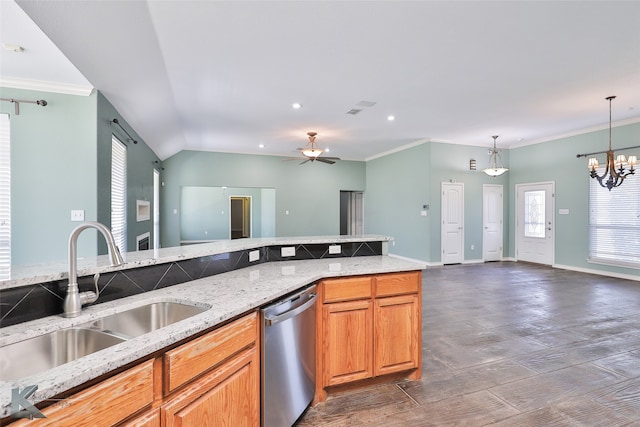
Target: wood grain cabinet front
x,y
104,404
228,396
369,326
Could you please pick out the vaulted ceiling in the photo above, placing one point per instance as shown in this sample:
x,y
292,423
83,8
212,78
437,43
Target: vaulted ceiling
x,y
223,75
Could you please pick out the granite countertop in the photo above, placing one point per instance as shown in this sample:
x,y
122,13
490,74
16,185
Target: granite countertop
x,y
30,274
227,295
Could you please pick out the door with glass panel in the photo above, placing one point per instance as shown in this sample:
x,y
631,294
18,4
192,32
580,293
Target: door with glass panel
x,y
535,234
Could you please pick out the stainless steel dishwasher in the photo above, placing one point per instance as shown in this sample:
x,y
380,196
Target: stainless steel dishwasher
x,y
288,358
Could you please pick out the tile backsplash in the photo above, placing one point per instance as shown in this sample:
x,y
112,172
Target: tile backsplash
x,y
26,303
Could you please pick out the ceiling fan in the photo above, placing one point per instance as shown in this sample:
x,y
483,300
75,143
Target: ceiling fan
x,y
312,153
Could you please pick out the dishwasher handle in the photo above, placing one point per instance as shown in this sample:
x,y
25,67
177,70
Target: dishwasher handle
x,y
270,321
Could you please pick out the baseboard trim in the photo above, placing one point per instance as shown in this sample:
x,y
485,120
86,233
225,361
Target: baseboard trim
x,y
597,272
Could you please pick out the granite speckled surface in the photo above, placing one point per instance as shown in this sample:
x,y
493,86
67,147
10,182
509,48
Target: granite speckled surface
x,y
30,274
226,296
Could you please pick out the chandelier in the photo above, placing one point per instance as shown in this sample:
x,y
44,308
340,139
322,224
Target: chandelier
x,y
615,171
494,155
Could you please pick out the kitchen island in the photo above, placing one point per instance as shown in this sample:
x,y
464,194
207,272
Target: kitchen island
x,y
225,296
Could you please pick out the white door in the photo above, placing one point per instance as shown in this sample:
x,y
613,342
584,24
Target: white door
x,y
535,239
452,223
492,222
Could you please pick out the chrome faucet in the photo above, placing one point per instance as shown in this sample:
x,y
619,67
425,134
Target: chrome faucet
x,y
74,300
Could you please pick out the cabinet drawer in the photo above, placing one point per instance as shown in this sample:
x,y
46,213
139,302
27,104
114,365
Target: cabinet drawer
x,y
398,284
186,362
106,403
346,289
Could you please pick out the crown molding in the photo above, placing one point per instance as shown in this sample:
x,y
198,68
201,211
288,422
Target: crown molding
x,y
398,149
44,86
583,131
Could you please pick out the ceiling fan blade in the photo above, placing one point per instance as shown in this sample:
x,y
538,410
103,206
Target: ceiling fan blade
x,y
325,160
331,158
305,161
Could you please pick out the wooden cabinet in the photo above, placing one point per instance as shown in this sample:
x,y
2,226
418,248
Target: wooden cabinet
x,y
228,394
104,404
150,418
212,380
369,326
347,341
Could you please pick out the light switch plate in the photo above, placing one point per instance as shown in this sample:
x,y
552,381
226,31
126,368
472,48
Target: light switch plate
x,y
254,256
288,251
77,215
335,249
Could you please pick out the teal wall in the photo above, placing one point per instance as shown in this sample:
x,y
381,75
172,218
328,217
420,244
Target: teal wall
x,y
53,170
140,166
309,192
398,186
556,161
61,161
204,211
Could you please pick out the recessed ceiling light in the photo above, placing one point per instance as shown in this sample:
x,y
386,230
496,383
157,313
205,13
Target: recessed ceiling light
x,y
13,47
261,145
327,150
391,118
296,105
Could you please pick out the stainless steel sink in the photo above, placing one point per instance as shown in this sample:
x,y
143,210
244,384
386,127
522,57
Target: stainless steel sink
x,y
38,354
44,352
144,319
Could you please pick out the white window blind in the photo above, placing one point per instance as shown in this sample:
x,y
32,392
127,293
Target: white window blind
x,y
5,197
614,223
119,193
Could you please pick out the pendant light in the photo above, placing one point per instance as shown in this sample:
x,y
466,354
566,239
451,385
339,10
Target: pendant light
x,y
493,169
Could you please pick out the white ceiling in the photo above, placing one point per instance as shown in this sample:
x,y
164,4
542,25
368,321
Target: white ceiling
x,y
222,75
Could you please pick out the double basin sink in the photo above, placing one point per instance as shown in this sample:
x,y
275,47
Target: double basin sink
x,y
44,352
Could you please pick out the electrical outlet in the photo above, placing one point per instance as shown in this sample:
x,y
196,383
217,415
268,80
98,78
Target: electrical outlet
x,y
335,249
254,256
77,215
288,251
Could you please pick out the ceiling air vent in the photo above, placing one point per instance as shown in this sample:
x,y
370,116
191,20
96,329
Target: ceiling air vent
x,y
353,111
366,104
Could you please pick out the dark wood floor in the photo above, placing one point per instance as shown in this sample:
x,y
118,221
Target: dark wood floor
x,y
512,344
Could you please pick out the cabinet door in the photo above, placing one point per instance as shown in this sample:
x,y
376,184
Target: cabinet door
x,y
397,334
228,396
347,341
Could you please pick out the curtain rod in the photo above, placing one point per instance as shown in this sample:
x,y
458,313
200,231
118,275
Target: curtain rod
x,y
18,101
604,151
115,121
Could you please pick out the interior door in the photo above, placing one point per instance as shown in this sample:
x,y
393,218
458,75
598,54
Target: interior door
x,y
492,208
535,236
452,223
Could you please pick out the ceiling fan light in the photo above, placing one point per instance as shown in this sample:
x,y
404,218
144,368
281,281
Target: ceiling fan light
x,y
313,152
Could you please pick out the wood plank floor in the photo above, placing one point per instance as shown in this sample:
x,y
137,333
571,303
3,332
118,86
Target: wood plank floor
x,y
511,344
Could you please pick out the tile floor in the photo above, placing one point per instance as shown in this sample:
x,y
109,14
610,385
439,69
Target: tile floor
x,y
511,344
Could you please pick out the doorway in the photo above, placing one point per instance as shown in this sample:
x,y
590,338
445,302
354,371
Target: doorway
x,y
240,217
452,239
492,222
535,236
351,213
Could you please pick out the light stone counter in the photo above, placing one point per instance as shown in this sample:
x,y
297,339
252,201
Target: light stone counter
x,y
228,295
47,272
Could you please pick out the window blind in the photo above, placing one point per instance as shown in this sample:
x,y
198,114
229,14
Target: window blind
x,y
5,197
119,193
614,223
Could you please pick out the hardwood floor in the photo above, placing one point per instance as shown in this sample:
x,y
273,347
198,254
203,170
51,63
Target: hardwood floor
x,y
512,344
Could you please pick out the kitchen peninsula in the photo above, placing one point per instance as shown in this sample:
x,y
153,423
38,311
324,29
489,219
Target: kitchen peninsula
x,y
225,296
